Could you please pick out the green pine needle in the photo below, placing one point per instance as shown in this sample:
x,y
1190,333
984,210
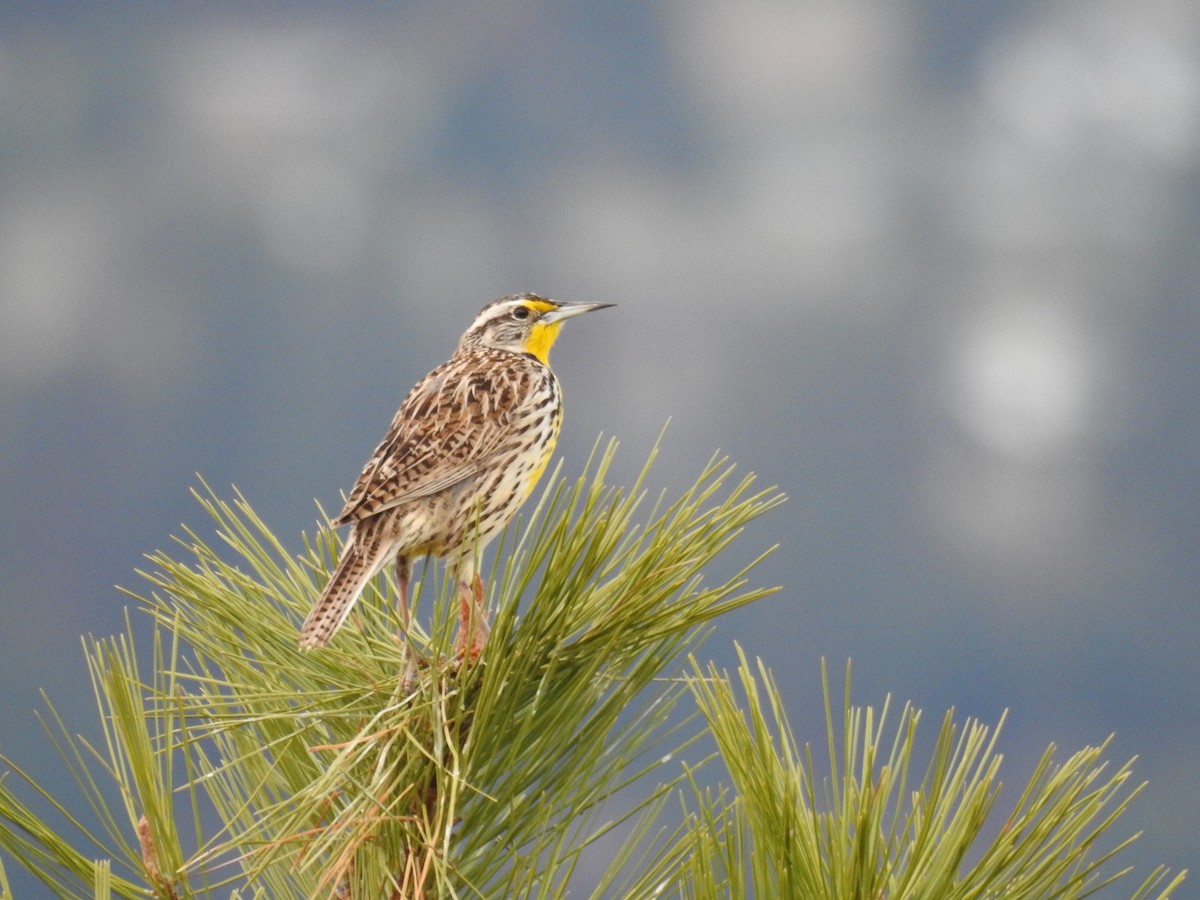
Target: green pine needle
x,y
233,765
865,830
330,772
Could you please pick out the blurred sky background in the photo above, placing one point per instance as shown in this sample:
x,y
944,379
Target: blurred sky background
x,y
931,267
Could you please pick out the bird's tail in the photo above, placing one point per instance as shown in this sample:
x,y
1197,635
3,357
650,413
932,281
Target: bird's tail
x,y
363,555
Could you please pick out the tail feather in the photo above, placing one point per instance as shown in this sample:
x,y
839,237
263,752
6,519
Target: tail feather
x,y
360,560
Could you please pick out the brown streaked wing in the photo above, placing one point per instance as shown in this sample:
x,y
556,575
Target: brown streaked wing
x,y
444,432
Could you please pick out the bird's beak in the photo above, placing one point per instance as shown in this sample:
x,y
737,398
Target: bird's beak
x,y
570,310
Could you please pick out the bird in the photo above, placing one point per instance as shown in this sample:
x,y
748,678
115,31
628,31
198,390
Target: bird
x,y
461,456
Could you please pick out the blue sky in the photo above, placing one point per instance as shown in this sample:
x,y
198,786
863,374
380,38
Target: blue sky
x,y
931,269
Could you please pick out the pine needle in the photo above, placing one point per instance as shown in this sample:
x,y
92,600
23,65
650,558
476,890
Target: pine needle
x,y
232,765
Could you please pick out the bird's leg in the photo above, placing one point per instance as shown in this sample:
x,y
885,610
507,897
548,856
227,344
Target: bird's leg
x,y
403,577
472,618
482,629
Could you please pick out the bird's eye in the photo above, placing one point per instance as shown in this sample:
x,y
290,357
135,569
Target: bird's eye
x,y
521,313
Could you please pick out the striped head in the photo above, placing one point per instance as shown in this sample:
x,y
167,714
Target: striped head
x,y
522,323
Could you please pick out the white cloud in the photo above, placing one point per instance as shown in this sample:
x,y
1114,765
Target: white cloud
x,y
1023,380
53,245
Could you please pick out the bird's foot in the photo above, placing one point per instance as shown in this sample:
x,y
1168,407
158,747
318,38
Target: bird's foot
x,y
473,626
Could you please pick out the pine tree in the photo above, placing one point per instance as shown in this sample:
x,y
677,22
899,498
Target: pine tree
x,y
234,766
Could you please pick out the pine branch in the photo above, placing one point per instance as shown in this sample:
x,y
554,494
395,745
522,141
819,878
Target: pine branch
x,y
863,831
331,774
233,765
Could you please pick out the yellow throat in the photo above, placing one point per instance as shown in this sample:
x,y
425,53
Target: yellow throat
x,y
542,335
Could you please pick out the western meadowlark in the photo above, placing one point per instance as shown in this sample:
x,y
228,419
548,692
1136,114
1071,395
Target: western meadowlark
x,y
462,454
